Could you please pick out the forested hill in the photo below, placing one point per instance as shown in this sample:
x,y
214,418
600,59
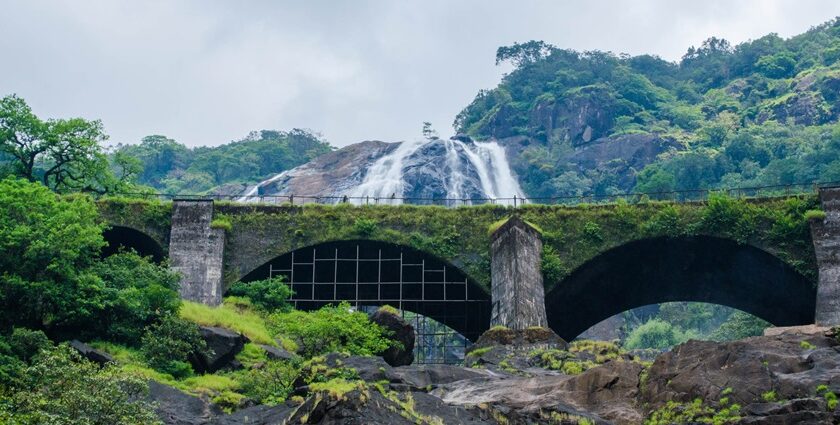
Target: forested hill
x,y
171,167
762,112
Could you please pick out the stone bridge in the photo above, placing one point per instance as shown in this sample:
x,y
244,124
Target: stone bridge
x,y
468,267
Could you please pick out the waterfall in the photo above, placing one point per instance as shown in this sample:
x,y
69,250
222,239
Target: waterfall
x,y
455,169
385,177
249,196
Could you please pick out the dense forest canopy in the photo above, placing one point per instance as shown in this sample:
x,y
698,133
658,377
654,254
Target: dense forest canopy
x,y
762,112
171,167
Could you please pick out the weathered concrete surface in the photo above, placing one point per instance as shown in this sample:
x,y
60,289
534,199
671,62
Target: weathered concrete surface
x,y
197,251
517,291
826,236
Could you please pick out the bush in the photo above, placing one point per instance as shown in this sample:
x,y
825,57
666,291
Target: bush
x,y
739,325
364,227
655,333
811,215
26,344
269,294
331,328
166,345
270,384
221,222
140,292
60,388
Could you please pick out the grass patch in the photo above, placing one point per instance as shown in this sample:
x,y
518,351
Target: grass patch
x,y
229,315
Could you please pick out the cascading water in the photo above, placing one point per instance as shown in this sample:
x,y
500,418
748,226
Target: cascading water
x,y
453,172
385,178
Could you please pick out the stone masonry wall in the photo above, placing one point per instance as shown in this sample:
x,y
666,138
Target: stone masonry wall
x,y
516,279
826,236
197,251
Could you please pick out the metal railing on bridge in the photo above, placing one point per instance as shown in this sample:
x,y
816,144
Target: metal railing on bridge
x,y
688,195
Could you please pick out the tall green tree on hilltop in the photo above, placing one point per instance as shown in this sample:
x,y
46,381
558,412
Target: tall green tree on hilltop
x,y
63,154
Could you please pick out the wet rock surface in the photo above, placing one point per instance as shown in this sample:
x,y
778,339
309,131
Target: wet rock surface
x,y
97,356
779,379
223,345
401,332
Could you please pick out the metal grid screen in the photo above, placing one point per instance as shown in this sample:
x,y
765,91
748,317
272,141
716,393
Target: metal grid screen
x,y
444,307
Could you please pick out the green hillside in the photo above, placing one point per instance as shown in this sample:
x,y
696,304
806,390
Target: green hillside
x,y
763,112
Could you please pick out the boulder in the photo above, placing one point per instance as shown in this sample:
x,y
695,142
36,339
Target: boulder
x,y
223,345
401,332
175,407
97,356
791,365
276,353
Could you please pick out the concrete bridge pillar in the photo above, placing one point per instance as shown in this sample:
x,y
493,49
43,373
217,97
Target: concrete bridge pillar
x,y
517,291
197,251
826,236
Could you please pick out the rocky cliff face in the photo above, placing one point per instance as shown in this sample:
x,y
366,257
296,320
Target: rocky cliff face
x,y
457,169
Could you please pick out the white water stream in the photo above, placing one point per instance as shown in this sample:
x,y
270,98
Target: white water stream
x,y
384,178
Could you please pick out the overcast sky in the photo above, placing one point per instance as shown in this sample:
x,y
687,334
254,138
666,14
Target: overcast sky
x,y
207,72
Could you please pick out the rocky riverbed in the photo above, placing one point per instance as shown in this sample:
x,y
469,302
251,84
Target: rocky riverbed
x,y
787,378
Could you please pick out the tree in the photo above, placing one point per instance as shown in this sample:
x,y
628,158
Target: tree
x,y
520,54
779,65
49,242
64,154
428,132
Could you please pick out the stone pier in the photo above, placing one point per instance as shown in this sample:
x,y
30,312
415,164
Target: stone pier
x,y
826,236
517,292
196,250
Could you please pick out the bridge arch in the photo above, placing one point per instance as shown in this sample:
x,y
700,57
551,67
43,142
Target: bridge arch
x,y
699,268
373,273
124,237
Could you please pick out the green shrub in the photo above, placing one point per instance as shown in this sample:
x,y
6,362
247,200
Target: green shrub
x,y
139,292
364,226
729,216
551,265
655,333
331,328
814,215
268,294
221,222
769,396
270,384
167,344
63,389
739,325
26,343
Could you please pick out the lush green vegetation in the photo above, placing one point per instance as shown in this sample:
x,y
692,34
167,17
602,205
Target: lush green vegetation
x,y
665,325
571,235
43,384
763,112
171,167
55,286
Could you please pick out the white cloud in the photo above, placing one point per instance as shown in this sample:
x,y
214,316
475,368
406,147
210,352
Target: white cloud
x,y
207,72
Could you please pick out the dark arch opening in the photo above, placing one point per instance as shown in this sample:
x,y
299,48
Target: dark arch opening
x,y
702,268
119,237
373,273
